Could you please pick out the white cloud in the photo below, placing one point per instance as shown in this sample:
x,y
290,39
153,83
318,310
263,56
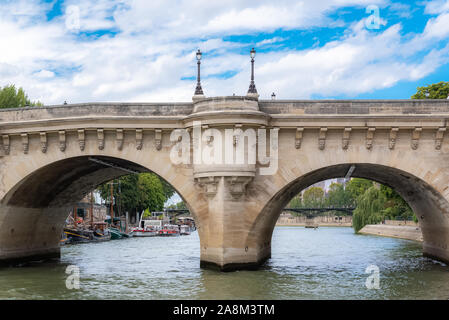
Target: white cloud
x,y
438,27
158,39
437,6
45,74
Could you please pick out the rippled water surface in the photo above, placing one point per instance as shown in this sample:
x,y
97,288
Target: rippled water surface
x,y
327,263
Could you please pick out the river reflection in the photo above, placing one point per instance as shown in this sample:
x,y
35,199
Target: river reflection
x,y
326,263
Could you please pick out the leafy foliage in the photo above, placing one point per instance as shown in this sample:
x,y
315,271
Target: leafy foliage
x,y
10,97
178,206
373,202
135,193
337,196
369,207
313,197
438,90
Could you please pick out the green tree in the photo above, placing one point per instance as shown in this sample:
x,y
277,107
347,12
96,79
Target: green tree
x,y
338,196
295,202
169,191
151,193
313,197
135,193
438,90
395,206
178,206
369,207
10,97
358,186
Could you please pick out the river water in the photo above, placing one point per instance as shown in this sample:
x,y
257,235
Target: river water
x,y
326,263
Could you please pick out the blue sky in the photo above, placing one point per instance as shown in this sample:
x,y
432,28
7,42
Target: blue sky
x,y
137,50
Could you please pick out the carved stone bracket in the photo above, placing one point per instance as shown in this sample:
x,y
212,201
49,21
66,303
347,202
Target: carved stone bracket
x,y
439,138
25,142
345,140
119,139
237,185
393,137
139,139
43,136
81,139
322,138
158,139
6,146
370,138
62,141
416,134
298,137
100,138
208,184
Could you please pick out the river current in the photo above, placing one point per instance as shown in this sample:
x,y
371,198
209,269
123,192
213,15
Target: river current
x,y
323,263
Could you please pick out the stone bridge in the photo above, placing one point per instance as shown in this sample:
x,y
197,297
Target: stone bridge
x,y
236,189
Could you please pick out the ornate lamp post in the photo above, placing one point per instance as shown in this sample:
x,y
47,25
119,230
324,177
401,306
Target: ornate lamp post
x,y
273,96
252,86
198,89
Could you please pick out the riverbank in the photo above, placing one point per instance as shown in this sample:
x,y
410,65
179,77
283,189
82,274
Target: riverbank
x,y
319,225
402,232
286,219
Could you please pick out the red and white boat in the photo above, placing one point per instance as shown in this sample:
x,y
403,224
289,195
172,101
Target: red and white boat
x,y
169,230
148,231
147,228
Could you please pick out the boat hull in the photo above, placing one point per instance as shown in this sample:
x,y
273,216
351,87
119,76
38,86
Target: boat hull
x,y
144,233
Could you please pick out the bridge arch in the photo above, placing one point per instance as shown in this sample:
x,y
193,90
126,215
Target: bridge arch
x,y
39,190
430,205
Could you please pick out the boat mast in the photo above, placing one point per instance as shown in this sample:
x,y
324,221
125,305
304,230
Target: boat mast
x,y
112,203
92,209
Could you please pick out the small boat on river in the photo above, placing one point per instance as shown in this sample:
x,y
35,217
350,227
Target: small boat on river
x,y
169,230
184,230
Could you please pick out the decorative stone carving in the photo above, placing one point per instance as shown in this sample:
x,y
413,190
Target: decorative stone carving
x,y
62,141
370,138
345,140
6,146
139,139
208,184
415,138
237,185
439,138
322,138
158,139
119,139
81,139
236,138
43,136
393,136
210,139
298,137
100,138
25,142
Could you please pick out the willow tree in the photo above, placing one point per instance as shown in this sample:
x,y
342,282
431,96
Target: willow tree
x,y
369,208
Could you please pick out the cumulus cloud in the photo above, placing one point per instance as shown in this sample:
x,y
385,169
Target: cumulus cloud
x,y
135,50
